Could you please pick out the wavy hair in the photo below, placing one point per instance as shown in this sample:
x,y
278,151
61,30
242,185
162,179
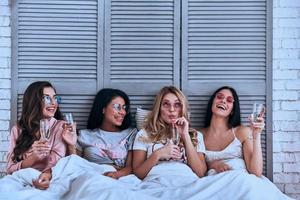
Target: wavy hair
x,y
102,99
156,127
234,118
32,113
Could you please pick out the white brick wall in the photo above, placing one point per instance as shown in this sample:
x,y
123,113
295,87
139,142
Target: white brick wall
x,y
286,96
5,79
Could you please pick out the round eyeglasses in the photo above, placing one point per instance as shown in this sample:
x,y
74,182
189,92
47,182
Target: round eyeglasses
x,y
166,105
221,96
49,100
118,107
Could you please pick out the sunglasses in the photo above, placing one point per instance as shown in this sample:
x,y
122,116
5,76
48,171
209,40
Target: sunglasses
x,y
49,100
221,96
118,107
166,105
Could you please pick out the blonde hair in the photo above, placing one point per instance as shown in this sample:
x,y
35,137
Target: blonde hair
x,y
156,128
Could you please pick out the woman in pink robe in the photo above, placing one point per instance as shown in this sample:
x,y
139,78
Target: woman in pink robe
x,y
27,149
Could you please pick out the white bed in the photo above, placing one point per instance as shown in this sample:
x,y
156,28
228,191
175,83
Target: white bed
x,y
75,178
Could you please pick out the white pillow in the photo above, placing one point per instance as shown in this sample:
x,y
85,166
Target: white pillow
x,y
140,117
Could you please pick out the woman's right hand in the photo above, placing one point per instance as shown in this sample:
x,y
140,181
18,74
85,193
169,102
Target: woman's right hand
x,y
219,166
40,150
169,151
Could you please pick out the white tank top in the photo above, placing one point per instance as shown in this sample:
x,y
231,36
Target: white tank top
x,y
232,155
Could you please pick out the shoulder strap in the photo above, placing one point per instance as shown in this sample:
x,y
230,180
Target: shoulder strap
x,y
233,132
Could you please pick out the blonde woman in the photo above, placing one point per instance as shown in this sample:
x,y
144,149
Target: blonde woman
x,y
155,153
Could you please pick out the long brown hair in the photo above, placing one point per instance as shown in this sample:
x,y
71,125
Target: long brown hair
x,y
155,127
32,112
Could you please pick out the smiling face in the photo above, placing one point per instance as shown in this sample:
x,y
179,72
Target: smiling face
x,y
223,103
114,112
49,102
170,108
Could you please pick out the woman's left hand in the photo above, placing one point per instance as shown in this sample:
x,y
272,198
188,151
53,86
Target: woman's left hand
x,y
43,181
69,134
257,126
114,175
182,126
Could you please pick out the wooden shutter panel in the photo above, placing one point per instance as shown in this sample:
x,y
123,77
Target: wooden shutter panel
x,y
141,45
224,43
57,41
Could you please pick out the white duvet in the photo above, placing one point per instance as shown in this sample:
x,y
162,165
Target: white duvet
x,y
75,178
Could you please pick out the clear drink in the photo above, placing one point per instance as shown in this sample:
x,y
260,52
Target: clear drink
x,y
44,129
258,111
175,136
69,118
70,121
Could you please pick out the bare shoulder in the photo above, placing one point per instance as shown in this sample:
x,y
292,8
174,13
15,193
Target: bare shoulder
x,y
243,132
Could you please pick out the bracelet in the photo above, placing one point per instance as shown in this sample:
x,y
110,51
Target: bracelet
x,y
72,146
72,149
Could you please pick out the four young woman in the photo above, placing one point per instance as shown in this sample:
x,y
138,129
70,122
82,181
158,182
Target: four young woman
x,y
222,145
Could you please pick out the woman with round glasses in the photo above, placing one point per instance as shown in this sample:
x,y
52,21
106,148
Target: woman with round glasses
x,y
27,149
157,153
108,137
235,149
